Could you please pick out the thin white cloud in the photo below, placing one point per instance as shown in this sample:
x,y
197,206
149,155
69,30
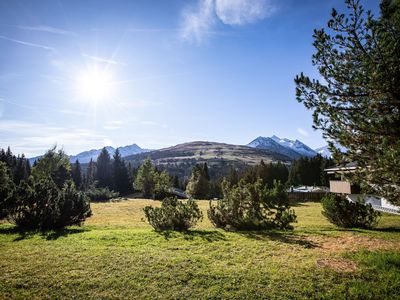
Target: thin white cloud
x,y
240,12
101,59
303,132
27,43
199,22
48,29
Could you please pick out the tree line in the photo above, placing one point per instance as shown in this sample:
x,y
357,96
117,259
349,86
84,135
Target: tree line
x,y
304,171
111,176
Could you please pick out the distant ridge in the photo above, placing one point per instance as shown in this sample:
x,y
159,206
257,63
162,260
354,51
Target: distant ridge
x,y
220,157
86,156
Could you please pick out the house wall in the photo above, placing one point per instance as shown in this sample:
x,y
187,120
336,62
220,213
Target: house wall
x,y
340,187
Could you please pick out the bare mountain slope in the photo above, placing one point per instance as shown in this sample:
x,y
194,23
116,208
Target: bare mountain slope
x,y
181,158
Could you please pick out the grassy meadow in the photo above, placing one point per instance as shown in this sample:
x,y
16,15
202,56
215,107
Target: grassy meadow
x,y
116,255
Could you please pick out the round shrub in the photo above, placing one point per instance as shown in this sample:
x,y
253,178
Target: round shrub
x,y
98,194
40,204
251,206
173,214
344,213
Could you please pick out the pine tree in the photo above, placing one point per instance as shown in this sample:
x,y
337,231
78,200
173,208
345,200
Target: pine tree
x,y
21,169
310,171
176,183
145,179
54,164
121,176
358,103
104,169
162,184
233,177
77,174
6,189
199,184
89,178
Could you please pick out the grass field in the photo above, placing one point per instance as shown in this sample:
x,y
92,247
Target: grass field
x,y
117,255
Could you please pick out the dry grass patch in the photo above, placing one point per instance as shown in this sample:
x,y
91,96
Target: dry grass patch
x,y
352,243
338,265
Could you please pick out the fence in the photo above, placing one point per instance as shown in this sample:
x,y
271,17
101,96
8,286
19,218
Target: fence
x,y
306,197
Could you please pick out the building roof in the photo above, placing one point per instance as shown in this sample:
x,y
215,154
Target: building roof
x,y
342,169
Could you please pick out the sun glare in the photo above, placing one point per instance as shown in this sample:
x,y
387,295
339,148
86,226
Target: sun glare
x,y
94,85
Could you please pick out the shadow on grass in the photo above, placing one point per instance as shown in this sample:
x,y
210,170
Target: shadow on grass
x,y
387,229
209,236
55,234
48,235
297,204
390,229
286,238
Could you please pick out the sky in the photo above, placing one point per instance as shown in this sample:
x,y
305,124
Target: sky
x,y
83,74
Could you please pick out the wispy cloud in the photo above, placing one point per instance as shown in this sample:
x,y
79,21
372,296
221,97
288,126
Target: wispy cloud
x,y
49,29
101,59
27,43
199,21
303,132
34,138
240,12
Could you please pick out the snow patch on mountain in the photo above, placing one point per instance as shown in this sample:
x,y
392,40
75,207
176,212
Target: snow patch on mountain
x,y
268,143
295,145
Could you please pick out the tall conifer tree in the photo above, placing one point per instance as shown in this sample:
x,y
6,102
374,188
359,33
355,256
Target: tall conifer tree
x,y
357,105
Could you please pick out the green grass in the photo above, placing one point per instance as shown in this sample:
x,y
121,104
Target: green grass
x,y
117,255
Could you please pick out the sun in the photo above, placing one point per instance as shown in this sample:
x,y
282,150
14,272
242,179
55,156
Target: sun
x,y
94,85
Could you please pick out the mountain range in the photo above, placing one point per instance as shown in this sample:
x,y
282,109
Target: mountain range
x,y
85,156
268,148
294,149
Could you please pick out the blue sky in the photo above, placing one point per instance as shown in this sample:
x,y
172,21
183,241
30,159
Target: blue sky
x,y
85,74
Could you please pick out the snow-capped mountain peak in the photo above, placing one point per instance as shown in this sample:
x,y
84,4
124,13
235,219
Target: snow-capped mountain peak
x,y
326,152
295,145
269,143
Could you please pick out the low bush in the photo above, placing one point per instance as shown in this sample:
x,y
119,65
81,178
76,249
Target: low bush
x,y
173,214
343,213
97,194
40,204
252,206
